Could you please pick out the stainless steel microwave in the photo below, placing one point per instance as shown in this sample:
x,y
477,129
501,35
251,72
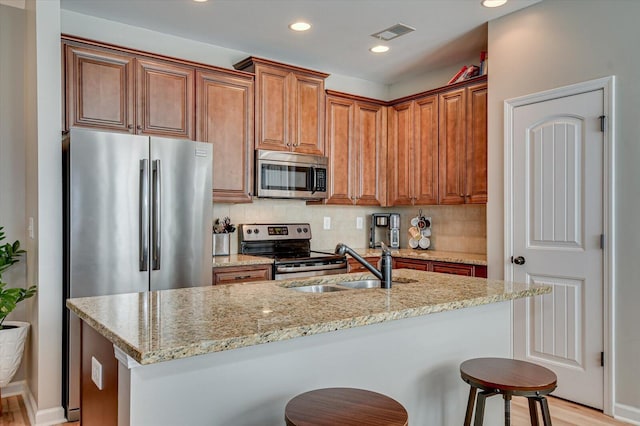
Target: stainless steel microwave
x,y
289,175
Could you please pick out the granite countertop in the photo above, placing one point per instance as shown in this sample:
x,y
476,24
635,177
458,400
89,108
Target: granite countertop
x,y
442,256
170,324
239,260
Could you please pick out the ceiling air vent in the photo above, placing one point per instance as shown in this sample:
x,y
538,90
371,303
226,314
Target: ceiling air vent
x,y
392,32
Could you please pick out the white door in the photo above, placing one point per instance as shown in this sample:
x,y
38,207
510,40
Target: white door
x,y
557,224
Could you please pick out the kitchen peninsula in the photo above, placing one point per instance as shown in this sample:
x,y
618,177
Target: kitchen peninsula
x,y
235,354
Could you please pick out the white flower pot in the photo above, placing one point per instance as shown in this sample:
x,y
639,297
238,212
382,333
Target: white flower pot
x,y
11,348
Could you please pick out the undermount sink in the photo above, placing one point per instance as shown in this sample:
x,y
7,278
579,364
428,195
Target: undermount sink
x,y
361,284
373,283
317,288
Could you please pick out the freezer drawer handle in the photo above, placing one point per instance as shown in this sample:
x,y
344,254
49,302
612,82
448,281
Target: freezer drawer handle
x,y
157,202
143,234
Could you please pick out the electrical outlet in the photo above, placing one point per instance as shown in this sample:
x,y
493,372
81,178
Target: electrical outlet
x,y
96,372
359,222
327,222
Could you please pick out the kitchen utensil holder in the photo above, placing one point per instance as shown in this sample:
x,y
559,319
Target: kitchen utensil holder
x,y
221,244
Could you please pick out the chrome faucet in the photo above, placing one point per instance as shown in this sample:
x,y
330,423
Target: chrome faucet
x,y
384,275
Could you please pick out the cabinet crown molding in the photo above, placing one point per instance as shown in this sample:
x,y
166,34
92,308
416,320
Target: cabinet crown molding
x,y
249,64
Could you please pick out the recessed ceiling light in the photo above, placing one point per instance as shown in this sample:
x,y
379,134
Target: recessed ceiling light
x,y
493,3
200,1
379,49
300,26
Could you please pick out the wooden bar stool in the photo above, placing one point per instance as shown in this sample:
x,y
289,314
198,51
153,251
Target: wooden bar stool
x,y
508,377
344,407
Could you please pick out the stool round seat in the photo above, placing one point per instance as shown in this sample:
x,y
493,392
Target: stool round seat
x,y
344,407
508,377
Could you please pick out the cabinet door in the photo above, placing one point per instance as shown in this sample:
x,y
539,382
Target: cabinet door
x,y
370,149
420,265
164,99
355,266
224,107
476,179
307,116
400,151
99,89
241,274
451,147
426,151
272,109
339,150
453,268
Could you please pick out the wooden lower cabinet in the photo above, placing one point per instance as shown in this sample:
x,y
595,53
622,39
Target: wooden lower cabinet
x,y
442,267
241,274
355,266
98,406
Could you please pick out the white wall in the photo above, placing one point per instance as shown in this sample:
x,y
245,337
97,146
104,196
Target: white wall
x,y
12,141
44,203
557,43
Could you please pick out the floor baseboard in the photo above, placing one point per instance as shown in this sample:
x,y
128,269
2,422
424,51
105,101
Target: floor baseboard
x,y
627,414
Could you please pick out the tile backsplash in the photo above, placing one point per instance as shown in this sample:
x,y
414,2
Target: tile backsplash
x,y
454,228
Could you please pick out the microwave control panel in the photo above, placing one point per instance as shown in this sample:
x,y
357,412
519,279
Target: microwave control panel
x,y
321,180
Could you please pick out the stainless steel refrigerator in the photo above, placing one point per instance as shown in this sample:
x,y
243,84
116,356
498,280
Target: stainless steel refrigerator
x,y
138,217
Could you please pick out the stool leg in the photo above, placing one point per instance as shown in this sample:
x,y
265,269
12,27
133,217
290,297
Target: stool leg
x,y
482,396
470,403
533,411
546,416
507,409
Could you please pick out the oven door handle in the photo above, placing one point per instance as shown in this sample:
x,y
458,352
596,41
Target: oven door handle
x,y
341,265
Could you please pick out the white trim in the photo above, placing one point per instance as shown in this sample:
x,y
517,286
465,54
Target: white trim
x,y
607,85
627,414
125,359
51,416
14,388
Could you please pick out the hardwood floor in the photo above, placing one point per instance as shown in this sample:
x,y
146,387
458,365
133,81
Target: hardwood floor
x,y
563,413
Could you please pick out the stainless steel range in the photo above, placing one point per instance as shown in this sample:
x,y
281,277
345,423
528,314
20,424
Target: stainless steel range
x,y
289,245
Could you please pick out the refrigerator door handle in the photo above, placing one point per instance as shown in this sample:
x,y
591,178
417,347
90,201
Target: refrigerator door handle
x,y
143,234
157,202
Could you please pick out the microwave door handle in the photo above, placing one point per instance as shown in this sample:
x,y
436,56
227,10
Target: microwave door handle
x,y
313,182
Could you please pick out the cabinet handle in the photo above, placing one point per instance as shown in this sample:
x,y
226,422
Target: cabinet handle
x,y
242,277
130,127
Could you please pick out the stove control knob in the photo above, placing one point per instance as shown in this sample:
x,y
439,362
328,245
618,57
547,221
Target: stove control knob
x,y
305,230
299,230
256,231
249,231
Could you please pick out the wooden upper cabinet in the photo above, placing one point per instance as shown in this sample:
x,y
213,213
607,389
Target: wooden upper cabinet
x,y
413,152
452,154
339,146
400,155
99,89
463,145
356,147
426,151
477,144
164,99
370,154
290,106
116,91
224,118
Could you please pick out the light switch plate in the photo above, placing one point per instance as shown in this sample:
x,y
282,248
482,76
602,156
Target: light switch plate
x,y
327,222
96,372
359,222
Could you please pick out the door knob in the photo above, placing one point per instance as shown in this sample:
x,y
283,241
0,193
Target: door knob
x,y
518,260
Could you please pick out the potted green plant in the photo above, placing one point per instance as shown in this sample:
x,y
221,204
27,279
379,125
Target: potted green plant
x,y
12,333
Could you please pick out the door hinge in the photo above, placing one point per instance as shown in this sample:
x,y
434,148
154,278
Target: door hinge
x,y
601,359
601,241
603,123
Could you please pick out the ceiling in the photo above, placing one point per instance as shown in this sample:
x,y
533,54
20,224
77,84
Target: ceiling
x,y
447,31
